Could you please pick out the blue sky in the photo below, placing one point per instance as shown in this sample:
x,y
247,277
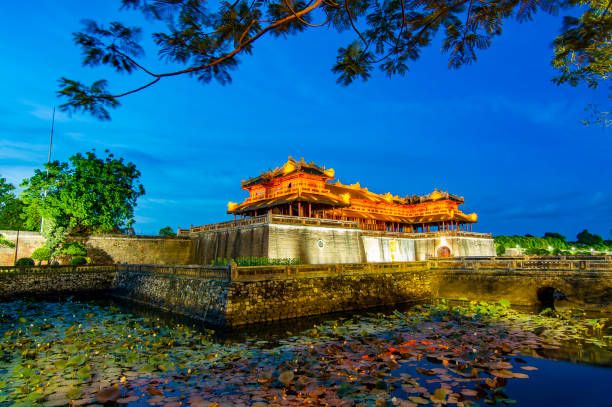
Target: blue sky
x,y
497,132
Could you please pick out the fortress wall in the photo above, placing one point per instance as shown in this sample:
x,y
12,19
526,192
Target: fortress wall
x,y
231,243
315,245
110,249
392,249
28,242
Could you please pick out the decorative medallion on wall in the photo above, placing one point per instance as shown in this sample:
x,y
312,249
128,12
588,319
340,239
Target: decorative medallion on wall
x,y
321,244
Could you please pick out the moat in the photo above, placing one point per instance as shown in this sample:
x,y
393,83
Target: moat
x,y
89,352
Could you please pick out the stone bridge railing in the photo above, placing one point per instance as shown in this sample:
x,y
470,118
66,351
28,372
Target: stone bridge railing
x,y
257,273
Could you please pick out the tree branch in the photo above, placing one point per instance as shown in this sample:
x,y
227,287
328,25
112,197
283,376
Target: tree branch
x,y
229,55
302,20
353,24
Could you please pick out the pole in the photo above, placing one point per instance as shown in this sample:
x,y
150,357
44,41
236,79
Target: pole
x,y
16,247
42,220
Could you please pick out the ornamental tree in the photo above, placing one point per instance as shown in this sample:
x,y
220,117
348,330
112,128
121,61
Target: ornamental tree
x,y
87,194
205,40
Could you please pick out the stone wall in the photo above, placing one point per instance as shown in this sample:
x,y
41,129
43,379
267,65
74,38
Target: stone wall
x,y
245,302
273,300
276,293
310,244
196,297
388,249
315,244
28,242
110,249
63,282
231,243
591,290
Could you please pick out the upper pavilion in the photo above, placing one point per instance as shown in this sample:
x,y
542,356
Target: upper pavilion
x,y
305,189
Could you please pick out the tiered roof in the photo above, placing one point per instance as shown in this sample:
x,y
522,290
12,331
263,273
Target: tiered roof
x,y
310,184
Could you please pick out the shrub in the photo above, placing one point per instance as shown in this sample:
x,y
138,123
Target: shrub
x,y
74,249
256,261
78,261
4,242
25,262
42,254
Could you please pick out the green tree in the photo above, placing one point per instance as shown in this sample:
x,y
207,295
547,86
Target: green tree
x,y
85,195
42,254
589,239
555,235
74,249
11,208
203,40
166,231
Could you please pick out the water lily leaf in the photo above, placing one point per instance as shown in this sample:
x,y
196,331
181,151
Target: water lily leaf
x,y
439,395
128,399
286,377
75,393
108,394
529,368
469,392
418,400
504,303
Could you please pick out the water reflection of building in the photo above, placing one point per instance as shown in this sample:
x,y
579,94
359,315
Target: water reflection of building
x,y
299,204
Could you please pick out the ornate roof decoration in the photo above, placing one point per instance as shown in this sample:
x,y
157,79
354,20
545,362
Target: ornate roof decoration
x,y
291,166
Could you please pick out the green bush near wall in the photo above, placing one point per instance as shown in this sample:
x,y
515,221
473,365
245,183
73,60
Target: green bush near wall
x,y
532,245
25,262
256,261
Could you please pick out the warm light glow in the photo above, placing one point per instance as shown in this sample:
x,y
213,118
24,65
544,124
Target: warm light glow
x,y
231,206
346,197
435,195
288,167
330,173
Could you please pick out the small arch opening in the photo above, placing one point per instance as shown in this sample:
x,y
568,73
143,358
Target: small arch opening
x,y
546,296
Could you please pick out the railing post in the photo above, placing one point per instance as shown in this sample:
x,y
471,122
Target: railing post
x,y
233,271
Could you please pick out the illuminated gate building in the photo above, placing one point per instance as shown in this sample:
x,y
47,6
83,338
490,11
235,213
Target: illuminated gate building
x,y
298,211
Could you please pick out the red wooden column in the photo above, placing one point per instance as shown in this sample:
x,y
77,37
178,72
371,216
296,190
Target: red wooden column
x,y
299,208
310,209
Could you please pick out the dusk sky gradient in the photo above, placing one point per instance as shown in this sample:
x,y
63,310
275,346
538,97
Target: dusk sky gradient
x,y
498,132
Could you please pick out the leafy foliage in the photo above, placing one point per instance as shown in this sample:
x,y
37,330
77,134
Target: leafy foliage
x,y
78,261
88,194
551,243
4,242
589,239
12,209
42,254
389,34
25,262
255,261
74,249
167,231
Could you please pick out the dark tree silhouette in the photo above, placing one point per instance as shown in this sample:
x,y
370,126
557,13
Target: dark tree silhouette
x,y
389,34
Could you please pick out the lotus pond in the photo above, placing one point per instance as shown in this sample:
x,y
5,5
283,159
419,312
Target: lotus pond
x,y
93,353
